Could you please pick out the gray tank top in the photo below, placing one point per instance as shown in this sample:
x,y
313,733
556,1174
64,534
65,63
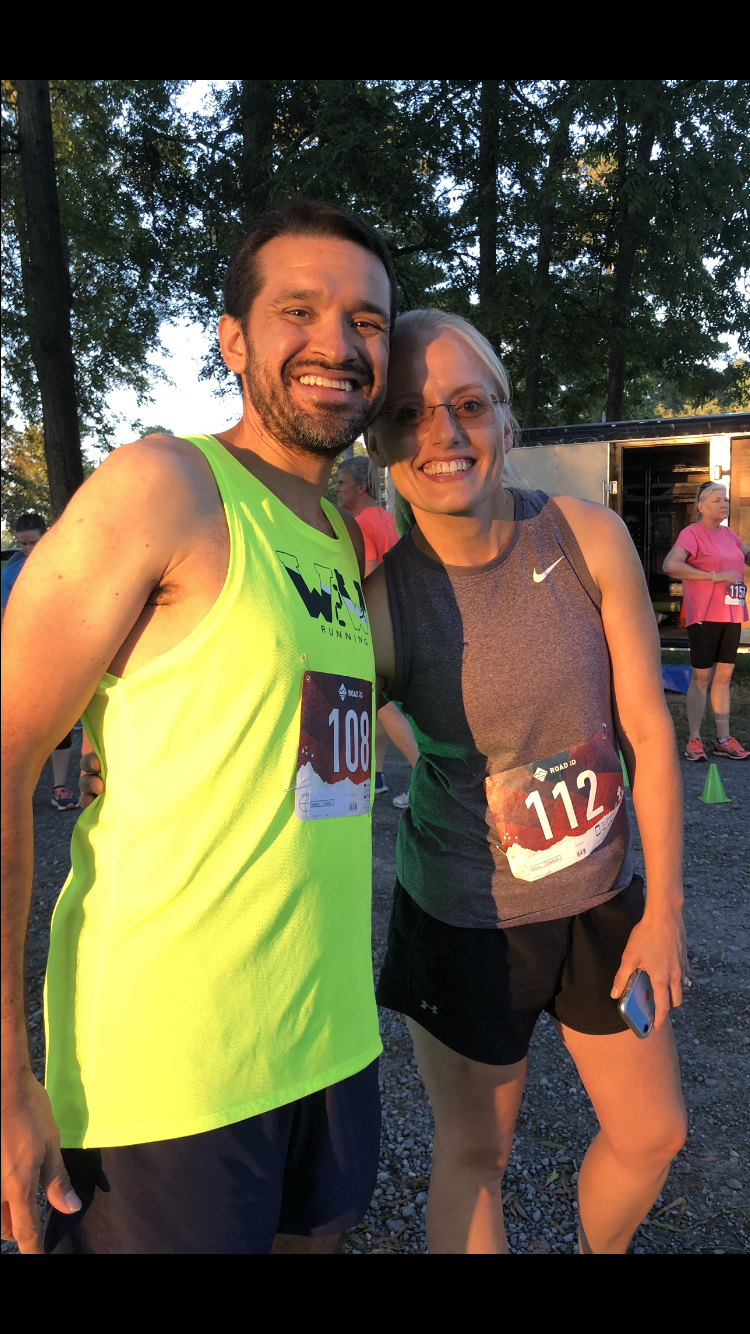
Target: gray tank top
x,y
516,810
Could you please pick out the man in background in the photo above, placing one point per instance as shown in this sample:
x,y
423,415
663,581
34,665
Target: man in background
x,y
355,492
30,528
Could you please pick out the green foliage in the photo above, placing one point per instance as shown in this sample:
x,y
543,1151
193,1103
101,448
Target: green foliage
x,y
24,475
139,430
359,143
405,155
153,201
125,190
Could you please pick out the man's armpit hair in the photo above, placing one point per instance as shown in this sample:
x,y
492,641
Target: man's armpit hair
x,y
164,594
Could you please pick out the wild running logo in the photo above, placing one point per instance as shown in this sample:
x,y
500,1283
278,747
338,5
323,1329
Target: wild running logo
x,y
342,616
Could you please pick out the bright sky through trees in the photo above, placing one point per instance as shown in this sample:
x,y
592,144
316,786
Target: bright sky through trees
x,y
596,231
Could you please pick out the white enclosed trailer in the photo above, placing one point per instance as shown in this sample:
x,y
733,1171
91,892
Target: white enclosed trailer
x,y
649,472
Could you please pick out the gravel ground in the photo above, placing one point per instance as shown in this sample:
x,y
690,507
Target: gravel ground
x,y
705,1205
704,1208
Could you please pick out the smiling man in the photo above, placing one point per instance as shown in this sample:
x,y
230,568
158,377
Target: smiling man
x,y
212,1031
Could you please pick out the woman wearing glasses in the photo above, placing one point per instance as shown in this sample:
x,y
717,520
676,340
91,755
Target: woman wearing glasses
x,y
495,621
710,560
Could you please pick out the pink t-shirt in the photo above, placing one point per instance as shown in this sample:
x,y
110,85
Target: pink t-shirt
x,y
379,531
711,549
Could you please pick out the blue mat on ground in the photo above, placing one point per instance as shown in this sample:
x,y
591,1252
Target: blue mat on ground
x,y
676,678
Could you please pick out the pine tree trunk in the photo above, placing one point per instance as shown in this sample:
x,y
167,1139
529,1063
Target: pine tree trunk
x,y
47,283
489,143
628,238
559,149
258,118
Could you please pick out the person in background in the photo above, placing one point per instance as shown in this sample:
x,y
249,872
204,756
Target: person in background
x,y
710,560
355,492
30,528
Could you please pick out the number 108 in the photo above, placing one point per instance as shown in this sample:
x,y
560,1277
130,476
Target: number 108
x,y
356,740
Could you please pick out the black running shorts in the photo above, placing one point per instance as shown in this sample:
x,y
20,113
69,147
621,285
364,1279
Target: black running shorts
x,y
713,641
480,991
308,1169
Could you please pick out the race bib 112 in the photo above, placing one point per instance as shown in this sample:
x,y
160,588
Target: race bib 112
x,y
555,812
333,757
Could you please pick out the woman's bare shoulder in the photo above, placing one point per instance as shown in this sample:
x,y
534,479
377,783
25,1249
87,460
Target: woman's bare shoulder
x,y
601,534
588,513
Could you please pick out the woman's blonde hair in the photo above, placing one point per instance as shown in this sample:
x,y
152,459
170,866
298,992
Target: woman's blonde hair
x,y
701,493
431,320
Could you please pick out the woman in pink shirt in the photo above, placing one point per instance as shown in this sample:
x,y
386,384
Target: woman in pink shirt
x,y
710,562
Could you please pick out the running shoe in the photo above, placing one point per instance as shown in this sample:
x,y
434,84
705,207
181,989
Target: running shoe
x,y
401,802
380,783
63,799
731,749
694,750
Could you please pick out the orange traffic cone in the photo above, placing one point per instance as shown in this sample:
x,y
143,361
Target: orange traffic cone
x,y
713,792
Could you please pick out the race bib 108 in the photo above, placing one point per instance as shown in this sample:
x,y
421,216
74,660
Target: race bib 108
x,y
555,812
333,757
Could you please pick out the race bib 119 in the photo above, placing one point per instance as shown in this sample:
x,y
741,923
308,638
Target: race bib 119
x,y
555,812
333,758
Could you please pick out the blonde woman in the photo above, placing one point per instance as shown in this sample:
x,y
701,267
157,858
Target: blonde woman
x,y
517,634
710,560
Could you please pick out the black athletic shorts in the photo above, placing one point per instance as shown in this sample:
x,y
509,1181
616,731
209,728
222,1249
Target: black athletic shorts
x,y
481,991
308,1169
713,641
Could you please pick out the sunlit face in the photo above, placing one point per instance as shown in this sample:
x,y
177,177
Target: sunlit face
x,y
456,463
348,489
714,508
28,540
315,349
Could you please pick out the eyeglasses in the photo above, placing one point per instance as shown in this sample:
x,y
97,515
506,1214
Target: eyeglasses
x,y
475,409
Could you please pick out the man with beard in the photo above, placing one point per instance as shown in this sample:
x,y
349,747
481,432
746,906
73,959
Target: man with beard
x,y
212,1031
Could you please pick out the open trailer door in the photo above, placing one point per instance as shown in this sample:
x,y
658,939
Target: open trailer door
x,y
568,469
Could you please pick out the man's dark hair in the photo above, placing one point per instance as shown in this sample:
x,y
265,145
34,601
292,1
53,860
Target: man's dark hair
x,y
299,217
28,523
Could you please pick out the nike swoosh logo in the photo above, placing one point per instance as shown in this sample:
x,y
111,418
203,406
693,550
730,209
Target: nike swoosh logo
x,y
539,578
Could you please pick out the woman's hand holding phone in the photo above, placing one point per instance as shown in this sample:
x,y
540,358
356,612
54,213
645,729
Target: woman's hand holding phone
x,y
658,947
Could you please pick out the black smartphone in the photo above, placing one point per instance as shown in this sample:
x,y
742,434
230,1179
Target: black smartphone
x,y
636,1004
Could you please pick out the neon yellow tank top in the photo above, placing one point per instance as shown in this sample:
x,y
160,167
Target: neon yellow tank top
x,y
210,951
